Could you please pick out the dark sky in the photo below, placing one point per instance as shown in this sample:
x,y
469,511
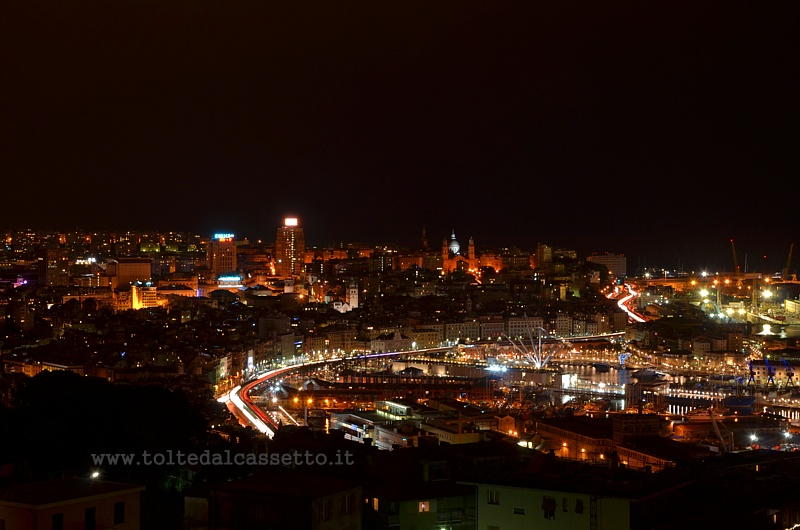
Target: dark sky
x,y
657,131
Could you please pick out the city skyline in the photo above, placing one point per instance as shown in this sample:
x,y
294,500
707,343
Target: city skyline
x,y
738,260
657,132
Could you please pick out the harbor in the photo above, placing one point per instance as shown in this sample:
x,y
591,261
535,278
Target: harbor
x,y
673,394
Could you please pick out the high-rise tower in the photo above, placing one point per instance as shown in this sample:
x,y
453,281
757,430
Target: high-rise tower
x,y
53,266
221,255
290,248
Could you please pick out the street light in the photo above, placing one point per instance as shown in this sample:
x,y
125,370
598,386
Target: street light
x,y
767,294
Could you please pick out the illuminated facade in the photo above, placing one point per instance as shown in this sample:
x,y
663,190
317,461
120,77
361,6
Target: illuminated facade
x,y
454,258
352,295
290,248
221,255
449,258
144,296
127,271
617,263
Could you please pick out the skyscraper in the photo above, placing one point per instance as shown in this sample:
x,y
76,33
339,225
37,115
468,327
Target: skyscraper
x,y
221,255
53,264
290,248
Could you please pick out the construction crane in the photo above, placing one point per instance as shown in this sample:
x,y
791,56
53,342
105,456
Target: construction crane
x,y
787,269
736,269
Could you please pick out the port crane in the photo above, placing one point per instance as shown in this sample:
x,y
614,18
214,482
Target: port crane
x,y
770,372
787,366
752,373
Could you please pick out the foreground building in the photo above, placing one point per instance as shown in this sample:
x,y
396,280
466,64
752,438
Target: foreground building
x,y
71,503
280,498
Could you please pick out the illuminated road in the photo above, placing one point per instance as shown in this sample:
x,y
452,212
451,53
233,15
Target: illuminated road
x,y
249,412
622,303
244,407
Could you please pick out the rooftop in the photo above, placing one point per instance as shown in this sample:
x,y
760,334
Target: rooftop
x,y
62,490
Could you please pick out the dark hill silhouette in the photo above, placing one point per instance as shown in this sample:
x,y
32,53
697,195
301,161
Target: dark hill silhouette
x,y
60,419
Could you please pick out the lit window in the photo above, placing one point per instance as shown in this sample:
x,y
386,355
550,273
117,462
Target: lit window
x,y
348,503
324,511
424,506
494,497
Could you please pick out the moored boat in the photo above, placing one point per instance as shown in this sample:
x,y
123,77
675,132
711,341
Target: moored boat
x,y
647,374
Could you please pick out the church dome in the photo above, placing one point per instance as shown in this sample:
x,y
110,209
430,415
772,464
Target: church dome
x,y
454,246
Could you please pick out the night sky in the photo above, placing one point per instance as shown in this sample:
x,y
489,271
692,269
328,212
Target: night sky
x,y
657,131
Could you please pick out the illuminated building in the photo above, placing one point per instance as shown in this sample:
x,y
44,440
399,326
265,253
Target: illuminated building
x,y
449,258
544,255
453,258
290,248
352,295
143,296
127,271
231,282
221,255
53,267
617,264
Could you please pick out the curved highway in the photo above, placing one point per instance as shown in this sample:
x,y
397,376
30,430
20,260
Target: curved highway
x,y
239,396
623,304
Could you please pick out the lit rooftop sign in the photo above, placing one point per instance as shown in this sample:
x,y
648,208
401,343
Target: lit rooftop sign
x,y
223,236
290,221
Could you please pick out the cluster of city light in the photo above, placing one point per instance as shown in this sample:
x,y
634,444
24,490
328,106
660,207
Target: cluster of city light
x,y
567,355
